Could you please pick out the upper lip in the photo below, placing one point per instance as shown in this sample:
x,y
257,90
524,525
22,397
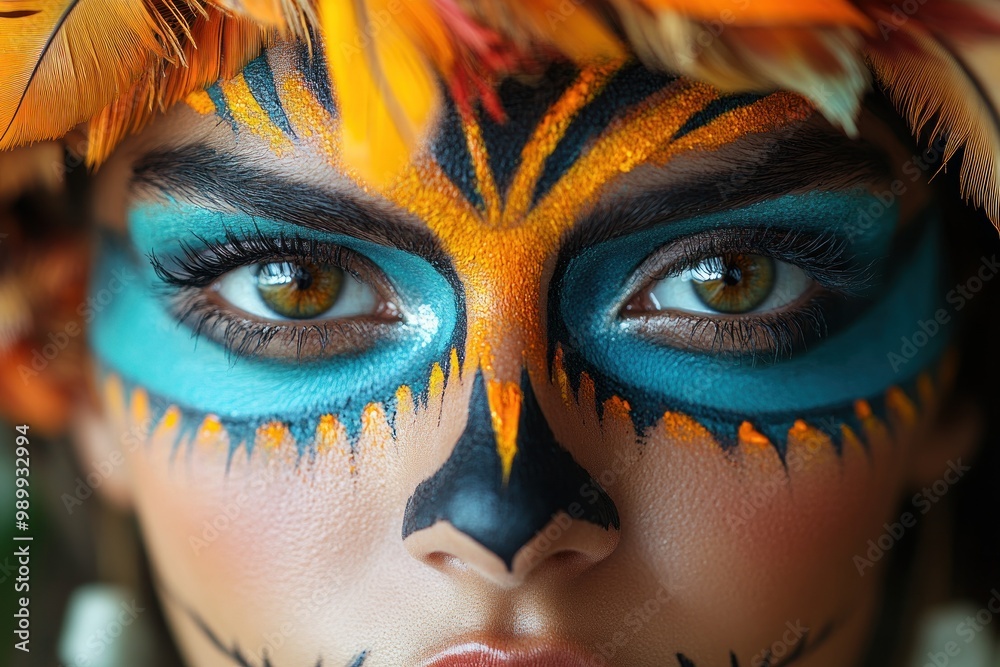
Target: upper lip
x,y
527,653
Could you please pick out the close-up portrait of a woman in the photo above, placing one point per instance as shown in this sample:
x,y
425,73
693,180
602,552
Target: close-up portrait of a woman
x,y
459,333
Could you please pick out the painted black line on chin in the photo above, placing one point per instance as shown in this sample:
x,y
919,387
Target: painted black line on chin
x,y
802,648
234,652
469,493
687,662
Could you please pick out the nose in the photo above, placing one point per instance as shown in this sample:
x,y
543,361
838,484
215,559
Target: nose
x,y
510,500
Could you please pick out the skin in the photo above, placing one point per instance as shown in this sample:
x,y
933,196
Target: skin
x,y
697,541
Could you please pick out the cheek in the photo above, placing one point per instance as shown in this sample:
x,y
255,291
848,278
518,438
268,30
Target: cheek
x,y
776,540
254,541
232,535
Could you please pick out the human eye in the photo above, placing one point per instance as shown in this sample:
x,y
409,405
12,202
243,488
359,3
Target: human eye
x,y
744,292
279,297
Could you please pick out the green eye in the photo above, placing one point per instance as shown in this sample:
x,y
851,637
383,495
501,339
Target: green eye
x,y
300,289
725,284
735,283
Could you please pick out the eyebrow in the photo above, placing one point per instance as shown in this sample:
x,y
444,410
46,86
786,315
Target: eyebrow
x,y
799,158
203,174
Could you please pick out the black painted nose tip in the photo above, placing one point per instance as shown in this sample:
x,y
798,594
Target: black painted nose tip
x,y
502,496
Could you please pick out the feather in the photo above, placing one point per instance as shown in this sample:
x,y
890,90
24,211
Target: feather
x,y
288,17
83,53
266,12
940,97
823,64
386,89
387,57
571,29
762,12
218,47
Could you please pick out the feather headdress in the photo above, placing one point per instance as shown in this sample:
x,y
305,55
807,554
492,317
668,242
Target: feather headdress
x,y
116,63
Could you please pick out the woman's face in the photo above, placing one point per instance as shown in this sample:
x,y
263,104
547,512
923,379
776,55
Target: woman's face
x,y
623,380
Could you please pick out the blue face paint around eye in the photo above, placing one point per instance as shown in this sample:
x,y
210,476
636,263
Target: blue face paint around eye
x,y
820,385
137,337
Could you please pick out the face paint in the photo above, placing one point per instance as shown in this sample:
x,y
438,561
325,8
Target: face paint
x,y
514,374
500,506
251,400
501,200
520,182
832,388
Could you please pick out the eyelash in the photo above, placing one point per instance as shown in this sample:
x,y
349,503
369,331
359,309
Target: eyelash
x,y
197,268
826,258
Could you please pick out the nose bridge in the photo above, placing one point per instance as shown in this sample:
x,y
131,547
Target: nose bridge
x,y
503,288
507,477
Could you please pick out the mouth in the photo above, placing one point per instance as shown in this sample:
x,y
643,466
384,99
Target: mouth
x,y
523,654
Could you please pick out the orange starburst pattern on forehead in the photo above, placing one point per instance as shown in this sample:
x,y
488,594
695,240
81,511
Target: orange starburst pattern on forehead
x,y
502,221
501,247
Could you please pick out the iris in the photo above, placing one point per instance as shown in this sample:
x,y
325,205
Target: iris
x,y
299,289
734,283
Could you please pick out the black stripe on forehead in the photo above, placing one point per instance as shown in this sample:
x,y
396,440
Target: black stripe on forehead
x,y
312,63
714,109
627,87
260,81
221,106
451,152
525,104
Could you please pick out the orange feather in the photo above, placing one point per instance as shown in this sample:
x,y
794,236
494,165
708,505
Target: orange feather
x,y
83,53
218,48
764,12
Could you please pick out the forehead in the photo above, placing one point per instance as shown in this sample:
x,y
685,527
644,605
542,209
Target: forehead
x,y
504,162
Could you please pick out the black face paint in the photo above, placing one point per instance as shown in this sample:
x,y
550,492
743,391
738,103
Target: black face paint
x,y
235,654
469,492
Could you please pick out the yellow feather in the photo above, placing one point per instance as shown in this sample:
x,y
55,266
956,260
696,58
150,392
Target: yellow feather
x,y
386,91
572,28
290,17
266,12
66,59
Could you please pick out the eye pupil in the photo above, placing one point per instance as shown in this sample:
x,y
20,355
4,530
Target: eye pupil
x,y
299,290
736,283
733,276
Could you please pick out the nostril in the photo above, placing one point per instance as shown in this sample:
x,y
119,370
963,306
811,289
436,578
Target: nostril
x,y
567,561
444,561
